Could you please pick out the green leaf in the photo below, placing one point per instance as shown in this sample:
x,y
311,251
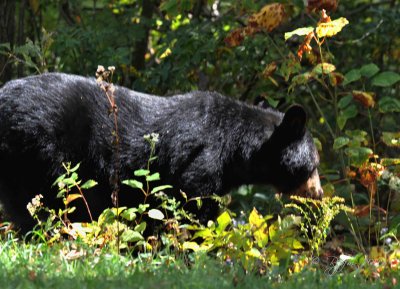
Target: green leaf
x,y
190,246
345,101
141,173
324,68
391,139
318,144
358,155
74,176
142,208
351,76
133,184
254,252
199,203
106,217
340,142
129,214
156,214
89,184
300,79
141,227
299,31
350,112
131,236
369,70
160,188
389,104
75,168
385,79
153,177
223,221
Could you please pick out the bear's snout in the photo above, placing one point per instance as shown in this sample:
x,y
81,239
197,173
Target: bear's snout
x,y
311,188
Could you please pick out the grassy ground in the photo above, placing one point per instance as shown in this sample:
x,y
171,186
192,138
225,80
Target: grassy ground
x,y
39,266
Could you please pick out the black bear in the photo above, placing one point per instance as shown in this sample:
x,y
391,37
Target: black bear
x,y
208,143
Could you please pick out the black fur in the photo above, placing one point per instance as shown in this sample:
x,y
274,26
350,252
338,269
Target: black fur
x,y
208,144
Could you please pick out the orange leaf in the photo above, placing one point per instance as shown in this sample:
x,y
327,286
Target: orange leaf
x,y
336,78
235,37
366,98
72,197
305,46
269,17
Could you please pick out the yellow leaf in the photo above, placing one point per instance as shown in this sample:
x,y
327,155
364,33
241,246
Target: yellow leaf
x,y
331,28
377,254
253,252
166,53
255,219
191,246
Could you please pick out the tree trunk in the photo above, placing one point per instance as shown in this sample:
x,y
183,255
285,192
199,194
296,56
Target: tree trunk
x,y
138,57
21,34
7,28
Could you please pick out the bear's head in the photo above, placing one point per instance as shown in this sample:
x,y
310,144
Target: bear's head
x,y
293,156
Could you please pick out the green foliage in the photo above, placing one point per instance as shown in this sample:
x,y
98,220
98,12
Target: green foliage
x,y
257,244
317,217
347,78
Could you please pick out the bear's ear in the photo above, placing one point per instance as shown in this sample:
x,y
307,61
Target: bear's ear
x,y
295,120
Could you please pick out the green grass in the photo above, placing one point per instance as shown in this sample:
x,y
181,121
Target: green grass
x,y
24,265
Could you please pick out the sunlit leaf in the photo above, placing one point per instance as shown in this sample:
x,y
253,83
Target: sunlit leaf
x,y
254,252
141,227
131,236
324,68
190,246
153,177
199,203
72,197
142,208
133,184
160,188
141,173
223,221
332,28
156,214
300,32
89,184
75,168
129,214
